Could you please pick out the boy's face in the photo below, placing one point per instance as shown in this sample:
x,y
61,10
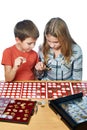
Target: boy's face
x,y
26,45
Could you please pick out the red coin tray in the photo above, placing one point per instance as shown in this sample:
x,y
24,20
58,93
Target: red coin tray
x,y
23,90
17,111
58,89
12,90
41,89
79,87
34,90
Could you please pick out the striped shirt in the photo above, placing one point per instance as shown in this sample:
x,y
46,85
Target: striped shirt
x,y
59,69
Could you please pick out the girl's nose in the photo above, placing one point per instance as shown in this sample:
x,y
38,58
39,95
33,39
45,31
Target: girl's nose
x,y
52,45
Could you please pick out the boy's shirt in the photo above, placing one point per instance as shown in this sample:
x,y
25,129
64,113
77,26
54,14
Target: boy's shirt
x,y
26,70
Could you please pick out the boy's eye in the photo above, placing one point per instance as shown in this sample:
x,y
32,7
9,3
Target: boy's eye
x,y
30,43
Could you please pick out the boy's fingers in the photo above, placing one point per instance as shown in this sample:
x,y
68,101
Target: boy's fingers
x,y
23,60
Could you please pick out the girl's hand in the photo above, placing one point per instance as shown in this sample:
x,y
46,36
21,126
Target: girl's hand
x,y
40,66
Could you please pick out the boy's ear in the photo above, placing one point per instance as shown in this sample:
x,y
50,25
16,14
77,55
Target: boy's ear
x,y
17,39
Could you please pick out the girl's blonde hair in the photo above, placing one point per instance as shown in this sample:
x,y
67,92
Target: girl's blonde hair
x,y
58,28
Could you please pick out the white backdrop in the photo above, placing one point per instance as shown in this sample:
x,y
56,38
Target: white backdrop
x,y
40,11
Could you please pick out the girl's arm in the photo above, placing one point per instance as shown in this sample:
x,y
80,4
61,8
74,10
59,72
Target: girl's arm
x,y
77,68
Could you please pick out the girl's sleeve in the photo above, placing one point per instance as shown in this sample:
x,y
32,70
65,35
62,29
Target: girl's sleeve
x,y
77,66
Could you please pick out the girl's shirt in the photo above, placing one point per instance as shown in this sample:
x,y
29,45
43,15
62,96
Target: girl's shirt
x,y
26,70
59,69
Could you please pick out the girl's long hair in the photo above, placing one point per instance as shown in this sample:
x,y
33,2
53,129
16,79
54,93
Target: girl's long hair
x,y
58,28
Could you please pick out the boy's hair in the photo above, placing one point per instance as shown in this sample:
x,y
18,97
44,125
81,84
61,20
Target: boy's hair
x,y
25,29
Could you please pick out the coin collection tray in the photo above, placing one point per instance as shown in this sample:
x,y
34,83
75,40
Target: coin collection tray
x,y
12,90
79,87
23,89
34,90
17,111
72,109
58,89
41,89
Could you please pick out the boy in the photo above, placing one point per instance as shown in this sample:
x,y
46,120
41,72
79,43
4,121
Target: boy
x,y
19,60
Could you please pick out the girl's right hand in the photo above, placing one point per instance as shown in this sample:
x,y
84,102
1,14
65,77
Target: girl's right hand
x,y
40,66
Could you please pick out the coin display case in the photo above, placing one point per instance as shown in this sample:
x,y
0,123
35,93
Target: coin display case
x,y
17,111
72,109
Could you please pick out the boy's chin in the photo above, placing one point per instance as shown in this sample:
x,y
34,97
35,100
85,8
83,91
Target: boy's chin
x,y
27,50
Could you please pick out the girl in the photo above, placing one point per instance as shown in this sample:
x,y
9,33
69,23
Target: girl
x,y
60,56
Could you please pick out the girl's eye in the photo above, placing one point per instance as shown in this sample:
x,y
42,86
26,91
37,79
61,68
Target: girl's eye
x,y
55,42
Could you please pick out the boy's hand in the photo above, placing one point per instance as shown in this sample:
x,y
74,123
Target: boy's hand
x,y
19,61
40,66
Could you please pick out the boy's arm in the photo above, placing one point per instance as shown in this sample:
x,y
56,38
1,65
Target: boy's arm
x,y
10,73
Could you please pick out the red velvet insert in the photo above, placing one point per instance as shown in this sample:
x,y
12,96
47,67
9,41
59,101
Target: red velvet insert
x,y
18,111
79,87
58,89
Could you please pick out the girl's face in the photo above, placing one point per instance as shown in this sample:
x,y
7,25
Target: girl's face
x,y
53,42
26,45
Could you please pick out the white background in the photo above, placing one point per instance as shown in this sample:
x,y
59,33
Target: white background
x,y
40,11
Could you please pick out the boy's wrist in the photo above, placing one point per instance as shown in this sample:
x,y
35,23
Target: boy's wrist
x,y
15,68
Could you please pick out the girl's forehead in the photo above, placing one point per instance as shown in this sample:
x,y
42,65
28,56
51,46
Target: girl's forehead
x,y
50,37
